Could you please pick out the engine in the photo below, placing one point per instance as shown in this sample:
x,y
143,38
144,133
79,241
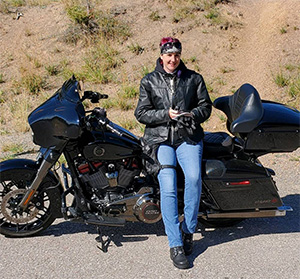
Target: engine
x,y
115,189
103,175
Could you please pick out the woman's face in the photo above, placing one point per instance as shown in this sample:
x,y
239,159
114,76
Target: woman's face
x,y
170,61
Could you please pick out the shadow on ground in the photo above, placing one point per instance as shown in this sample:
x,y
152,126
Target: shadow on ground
x,y
135,232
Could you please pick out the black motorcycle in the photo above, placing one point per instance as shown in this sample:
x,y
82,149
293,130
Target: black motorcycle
x,y
104,178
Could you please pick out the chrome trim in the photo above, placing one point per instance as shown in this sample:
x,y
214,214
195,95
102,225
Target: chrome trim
x,y
280,211
128,203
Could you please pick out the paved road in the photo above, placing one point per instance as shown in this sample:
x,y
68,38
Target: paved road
x,y
256,248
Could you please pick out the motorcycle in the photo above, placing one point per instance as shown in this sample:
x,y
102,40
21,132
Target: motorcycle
x,y
105,172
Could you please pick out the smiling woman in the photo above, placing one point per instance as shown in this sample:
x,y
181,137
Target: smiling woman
x,y
173,103
170,61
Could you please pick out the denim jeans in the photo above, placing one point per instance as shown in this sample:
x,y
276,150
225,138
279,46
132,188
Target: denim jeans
x,y
189,157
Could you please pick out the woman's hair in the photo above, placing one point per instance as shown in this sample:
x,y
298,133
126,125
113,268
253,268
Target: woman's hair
x,y
170,45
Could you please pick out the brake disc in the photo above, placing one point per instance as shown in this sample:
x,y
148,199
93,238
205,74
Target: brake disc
x,y
10,210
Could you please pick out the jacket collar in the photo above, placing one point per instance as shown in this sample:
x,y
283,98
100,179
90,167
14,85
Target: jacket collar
x,y
159,68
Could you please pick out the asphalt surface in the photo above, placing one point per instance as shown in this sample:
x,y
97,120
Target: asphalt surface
x,y
267,248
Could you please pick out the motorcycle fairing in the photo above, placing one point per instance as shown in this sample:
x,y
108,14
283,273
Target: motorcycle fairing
x,y
58,119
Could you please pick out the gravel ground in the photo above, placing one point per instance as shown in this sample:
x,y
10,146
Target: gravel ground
x,y
266,248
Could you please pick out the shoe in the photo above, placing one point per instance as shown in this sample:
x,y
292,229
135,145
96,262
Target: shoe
x,y
187,239
178,257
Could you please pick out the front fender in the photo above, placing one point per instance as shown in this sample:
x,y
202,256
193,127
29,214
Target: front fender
x,y
15,164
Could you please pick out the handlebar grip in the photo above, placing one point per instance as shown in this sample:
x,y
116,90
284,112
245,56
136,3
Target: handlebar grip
x,y
93,96
109,127
103,96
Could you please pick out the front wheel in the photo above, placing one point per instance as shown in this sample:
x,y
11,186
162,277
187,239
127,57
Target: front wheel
x,y
15,222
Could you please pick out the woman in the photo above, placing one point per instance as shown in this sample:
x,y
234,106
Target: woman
x,y
164,94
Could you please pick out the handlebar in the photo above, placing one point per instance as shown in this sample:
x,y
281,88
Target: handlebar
x,y
93,96
109,127
98,116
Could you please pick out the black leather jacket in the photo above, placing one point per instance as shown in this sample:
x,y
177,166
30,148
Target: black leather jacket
x,y
156,97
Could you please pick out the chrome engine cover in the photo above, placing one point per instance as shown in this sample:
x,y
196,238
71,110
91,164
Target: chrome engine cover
x,y
147,209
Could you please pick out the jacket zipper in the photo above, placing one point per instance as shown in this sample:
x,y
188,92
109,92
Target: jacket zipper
x,y
172,86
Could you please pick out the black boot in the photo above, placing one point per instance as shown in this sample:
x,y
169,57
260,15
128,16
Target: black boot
x,y
178,257
187,239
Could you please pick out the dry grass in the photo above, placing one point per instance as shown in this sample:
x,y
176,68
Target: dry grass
x,y
105,50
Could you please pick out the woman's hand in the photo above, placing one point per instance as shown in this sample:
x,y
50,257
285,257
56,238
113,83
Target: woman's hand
x,y
173,113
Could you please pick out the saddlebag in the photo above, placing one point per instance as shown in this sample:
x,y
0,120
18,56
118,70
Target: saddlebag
x,y
239,185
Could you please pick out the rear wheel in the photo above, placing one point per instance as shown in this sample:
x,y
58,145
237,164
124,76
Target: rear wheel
x,y
15,222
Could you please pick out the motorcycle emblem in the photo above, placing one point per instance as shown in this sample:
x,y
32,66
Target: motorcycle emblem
x,y
99,151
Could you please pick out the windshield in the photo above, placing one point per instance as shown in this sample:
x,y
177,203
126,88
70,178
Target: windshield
x,y
69,91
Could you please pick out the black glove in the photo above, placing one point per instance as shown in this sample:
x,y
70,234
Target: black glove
x,y
185,125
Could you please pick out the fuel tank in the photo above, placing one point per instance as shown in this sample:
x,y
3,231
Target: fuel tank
x,y
105,145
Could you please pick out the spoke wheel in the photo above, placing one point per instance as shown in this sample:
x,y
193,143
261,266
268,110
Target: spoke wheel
x,y
15,222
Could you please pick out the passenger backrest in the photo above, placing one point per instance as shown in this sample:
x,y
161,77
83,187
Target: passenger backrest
x,y
244,109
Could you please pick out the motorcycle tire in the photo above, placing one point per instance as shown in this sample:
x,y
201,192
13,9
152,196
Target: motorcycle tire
x,y
219,222
38,216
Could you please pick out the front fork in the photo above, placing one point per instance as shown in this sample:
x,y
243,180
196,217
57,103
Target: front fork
x,y
50,157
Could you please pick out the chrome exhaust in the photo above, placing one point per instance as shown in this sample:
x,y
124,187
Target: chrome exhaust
x,y
257,213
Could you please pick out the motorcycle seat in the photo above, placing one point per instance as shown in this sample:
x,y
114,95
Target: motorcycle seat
x,y
216,144
243,109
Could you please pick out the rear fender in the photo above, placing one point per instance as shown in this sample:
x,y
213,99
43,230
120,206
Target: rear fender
x,y
15,164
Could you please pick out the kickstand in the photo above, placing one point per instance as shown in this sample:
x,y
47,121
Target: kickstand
x,y
104,243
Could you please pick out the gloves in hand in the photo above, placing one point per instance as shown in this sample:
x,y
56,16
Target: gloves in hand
x,y
185,124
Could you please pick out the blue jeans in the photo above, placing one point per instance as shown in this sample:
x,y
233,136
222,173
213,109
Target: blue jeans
x,y
189,158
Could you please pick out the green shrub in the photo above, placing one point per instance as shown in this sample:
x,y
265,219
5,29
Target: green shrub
x,y
93,25
129,124
78,14
124,104
52,70
145,70
283,30
2,97
136,49
111,28
100,63
33,83
130,92
13,147
294,88
291,82
2,78
155,16
281,80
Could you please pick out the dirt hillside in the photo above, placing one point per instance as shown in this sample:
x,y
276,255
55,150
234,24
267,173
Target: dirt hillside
x,y
254,42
